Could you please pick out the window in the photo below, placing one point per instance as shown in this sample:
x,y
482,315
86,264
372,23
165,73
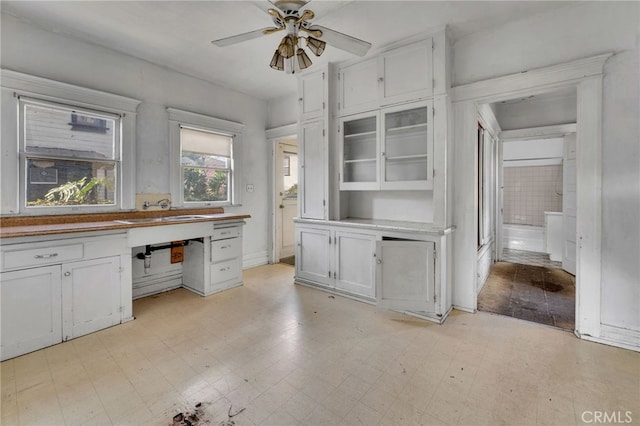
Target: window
x,y
70,157
65,148
205,160
207,165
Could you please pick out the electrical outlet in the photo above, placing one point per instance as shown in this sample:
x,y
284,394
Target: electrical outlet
x,y
153,202
250,187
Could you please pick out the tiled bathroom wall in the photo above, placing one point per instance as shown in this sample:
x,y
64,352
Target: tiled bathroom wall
x,y
530,191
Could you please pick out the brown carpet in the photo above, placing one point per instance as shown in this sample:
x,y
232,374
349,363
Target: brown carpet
x,y
532,293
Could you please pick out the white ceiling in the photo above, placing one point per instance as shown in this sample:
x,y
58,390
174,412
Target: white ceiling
x,y
177,34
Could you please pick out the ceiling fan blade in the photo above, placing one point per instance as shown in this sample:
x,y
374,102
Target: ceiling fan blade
x,y
343,41
244,37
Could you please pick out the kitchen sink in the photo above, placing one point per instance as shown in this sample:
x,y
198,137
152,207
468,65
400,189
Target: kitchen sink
x,y
164,219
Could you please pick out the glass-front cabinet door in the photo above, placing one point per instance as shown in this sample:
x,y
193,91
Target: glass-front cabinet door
x,y
407,147
359,152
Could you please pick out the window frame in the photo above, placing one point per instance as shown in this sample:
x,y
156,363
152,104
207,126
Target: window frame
x,y
17,87
179,119
24,155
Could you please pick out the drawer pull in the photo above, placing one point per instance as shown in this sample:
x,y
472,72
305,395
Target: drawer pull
x,y
224,247
223,269
224,233
45,256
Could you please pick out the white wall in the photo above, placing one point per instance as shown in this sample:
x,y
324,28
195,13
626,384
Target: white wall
x,y
282,111
545,39
621,193
551,38
33,51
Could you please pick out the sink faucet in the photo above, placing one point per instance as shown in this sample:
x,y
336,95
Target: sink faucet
x,y
163,204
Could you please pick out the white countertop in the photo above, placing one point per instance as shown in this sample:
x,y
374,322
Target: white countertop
x,y
383,225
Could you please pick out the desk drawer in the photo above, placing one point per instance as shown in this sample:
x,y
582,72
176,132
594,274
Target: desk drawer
x,y
222,233
41,256
226,249
230,270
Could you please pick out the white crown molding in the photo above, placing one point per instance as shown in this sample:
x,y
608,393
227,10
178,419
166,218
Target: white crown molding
x,y
538,132
26,84
282,131
531,79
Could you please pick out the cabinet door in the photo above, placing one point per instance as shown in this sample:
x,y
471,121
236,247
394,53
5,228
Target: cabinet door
x,y
313,261
405,275
312,155
31,310
354,263
358,87
407,73
90,296
359,152
311,95
407,147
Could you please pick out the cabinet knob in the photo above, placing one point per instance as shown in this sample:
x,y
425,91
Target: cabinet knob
x,y
379,261
381,79
67,274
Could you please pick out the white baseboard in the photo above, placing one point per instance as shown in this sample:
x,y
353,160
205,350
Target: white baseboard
x,y
616,336
463,309
251,260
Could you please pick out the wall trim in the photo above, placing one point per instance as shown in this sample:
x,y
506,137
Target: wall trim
x,y
251,260
539,78
544,132
282,131
616,336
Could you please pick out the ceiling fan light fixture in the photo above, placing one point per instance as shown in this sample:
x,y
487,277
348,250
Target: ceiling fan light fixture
x,y
277,62
316,46
287,46
304,61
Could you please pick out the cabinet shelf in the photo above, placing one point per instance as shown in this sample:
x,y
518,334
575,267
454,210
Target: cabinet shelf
x,y
417,128
406,157
361,160
360,135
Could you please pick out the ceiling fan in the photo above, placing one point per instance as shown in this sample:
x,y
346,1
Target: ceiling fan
x,y
290,56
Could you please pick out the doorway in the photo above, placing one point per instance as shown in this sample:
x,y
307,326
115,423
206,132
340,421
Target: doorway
x,y
535,222
285,199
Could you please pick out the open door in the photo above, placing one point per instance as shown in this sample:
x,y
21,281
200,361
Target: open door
x,y
405,279
286,198
569,209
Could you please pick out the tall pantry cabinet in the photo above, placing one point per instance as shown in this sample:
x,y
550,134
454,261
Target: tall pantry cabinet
x,y
371,130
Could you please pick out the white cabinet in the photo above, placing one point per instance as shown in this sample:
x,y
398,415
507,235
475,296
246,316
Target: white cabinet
x,y
312,155
389,149
399,75
90,296
312,95
405,276
218,265
59,289
226,258
31,310
337,259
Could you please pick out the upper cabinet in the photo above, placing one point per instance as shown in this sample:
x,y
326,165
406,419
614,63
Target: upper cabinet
x,y
388,149
312,95
395,76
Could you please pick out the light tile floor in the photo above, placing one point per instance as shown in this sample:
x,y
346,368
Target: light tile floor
x,y
532,258
291,355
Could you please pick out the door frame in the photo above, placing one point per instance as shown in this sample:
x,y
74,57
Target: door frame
x,y
586,76
273,137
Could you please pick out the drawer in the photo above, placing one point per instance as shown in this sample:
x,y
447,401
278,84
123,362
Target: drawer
x,y
222,233
41,256
226,249
229,270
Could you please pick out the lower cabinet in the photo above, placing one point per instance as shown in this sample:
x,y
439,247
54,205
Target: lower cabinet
x,y
405,275
396,269
90,300
338,260
48,304
31,310
219,266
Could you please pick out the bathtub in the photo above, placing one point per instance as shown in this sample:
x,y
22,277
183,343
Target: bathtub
x,y
523,237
